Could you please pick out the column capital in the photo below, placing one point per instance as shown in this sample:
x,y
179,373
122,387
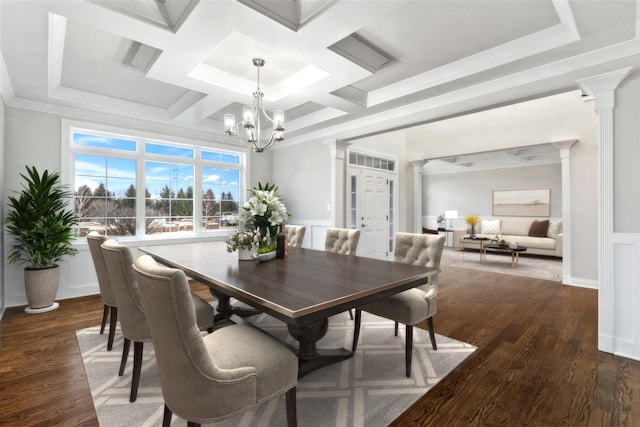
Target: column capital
x,y
418,165
602,87
564,147
338,147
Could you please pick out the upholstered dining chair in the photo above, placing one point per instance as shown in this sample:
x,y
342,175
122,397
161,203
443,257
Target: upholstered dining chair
x,y
342,241
94,240
218,376
414,305
295,234
133,321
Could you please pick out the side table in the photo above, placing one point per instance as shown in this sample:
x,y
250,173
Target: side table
x,y
483,253
447,232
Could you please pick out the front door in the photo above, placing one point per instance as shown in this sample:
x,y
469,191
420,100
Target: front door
x,y
372,213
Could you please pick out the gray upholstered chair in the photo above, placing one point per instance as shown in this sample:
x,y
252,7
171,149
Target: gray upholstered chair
x,y
414,305
218,376
295,234
342,241
133,321
94,240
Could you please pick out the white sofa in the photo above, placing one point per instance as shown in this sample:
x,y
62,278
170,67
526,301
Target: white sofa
x,y
514,230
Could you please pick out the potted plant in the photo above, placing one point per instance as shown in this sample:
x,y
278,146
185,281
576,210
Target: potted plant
x,y
42,228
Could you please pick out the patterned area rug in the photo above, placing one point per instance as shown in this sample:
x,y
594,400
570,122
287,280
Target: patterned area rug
x,y
370,389
538,267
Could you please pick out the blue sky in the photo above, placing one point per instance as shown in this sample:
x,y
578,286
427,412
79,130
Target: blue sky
x,y
91,170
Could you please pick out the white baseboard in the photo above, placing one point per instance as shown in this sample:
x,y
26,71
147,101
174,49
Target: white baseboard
x,y
581,283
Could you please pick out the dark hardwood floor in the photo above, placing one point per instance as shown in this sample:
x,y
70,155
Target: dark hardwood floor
x,y
537,362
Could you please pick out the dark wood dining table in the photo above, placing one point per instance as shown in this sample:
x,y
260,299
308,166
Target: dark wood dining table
x,y
303,290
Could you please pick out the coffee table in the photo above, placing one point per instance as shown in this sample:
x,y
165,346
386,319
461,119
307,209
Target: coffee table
x,y
515,251
477,239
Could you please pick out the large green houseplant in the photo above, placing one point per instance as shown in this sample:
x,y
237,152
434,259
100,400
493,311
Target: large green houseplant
x,y
42,229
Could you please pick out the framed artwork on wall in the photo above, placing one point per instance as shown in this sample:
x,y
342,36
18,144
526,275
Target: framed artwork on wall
x,y
534,202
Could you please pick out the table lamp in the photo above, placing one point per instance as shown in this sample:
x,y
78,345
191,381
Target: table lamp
x,y
450,215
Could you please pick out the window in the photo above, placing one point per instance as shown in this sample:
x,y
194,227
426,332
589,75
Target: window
x,y
134,186
366,160
391,216
353,196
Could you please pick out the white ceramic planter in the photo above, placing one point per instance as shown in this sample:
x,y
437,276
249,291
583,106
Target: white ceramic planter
x,y
247,254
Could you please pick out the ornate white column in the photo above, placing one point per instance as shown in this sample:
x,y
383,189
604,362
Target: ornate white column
x,y
565,154
602,88
417,194
338,153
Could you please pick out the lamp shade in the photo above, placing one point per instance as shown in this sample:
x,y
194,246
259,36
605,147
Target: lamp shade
x,y
451,214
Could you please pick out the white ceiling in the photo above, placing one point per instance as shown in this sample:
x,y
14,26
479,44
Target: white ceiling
x,y
339,68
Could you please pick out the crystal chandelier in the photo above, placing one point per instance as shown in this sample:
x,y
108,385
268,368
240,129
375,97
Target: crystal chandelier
x,y
251,120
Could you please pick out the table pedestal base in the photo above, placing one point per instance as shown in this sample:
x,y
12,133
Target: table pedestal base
x,y
310,357
226,310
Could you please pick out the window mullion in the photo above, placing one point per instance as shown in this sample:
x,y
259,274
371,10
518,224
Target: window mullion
x,y
141,200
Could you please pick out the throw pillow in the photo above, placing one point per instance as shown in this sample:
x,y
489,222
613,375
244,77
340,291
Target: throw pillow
x,y
490,226
539,228
555,228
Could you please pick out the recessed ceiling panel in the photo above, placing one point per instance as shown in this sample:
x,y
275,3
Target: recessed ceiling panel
x,y
235,54
442,37
281,75
303,110
293,14
95,62
167,13
360,51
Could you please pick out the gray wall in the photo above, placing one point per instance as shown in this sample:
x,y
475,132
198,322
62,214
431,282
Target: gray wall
x,y
626,152
471,192
303,174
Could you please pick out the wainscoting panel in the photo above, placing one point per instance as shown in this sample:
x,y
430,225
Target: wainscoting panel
x,y
626,295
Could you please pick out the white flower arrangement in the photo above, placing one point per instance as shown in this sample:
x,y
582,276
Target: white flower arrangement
x,y
264,211
260,216
243,240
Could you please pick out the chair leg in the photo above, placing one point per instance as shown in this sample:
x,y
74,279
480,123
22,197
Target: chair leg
x,y
137,367
396,329
166,419
432,335
192,424
292,414
105,315
112,327
356,330
350,314
408,350
125,356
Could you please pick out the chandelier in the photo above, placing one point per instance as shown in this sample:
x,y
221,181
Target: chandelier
x,y
251,117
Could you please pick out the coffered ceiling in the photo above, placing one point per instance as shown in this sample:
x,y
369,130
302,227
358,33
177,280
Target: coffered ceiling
x,y
338,68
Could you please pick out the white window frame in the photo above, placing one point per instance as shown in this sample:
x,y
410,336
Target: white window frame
x,y
67,173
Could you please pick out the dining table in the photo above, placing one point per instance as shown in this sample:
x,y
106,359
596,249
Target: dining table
x,y
303,289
